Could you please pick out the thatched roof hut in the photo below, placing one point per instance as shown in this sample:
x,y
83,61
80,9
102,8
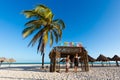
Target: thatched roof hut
x,y
10,61
2,59
102,58
116,58
62,52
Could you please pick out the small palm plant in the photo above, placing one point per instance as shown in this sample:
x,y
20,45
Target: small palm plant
x,y
42,23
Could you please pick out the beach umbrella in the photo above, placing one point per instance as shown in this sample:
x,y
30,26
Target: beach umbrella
x,y
116,58
2,59
102,58
91,59
10,61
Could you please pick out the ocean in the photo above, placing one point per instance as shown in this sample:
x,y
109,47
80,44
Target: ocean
x,y
21,63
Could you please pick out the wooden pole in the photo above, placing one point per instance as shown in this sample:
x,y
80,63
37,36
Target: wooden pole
x,y
86,62
117,63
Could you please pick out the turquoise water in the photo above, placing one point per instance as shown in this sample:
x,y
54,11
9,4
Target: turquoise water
x,y
103,63
28,63
60,63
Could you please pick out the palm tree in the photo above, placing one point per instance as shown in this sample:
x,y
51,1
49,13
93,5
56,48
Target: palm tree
x,y
42,23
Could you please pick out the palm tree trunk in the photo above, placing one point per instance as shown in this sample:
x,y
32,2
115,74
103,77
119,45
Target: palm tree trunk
x,y
43,60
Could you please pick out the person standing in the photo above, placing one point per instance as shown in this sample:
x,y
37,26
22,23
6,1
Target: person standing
x,y
67,63
76,61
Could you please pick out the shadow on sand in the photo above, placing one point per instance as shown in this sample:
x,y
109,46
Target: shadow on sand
x,y
26,68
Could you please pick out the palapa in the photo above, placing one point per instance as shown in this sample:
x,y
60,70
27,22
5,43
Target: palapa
x,y
2,59
62,51
116,58
102,58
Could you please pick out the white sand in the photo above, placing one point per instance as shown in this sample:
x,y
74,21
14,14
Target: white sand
x,y
35,73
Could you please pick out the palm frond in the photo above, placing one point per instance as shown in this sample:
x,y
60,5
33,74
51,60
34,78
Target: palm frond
x,y
59,22
32,13
36,23
55,35
37,36
29,13
45,12
45,37
58,28
28,31
51,39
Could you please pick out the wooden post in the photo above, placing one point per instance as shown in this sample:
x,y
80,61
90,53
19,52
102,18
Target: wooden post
x,y
59,64
54,64
86,62
50,65
82,63
117,63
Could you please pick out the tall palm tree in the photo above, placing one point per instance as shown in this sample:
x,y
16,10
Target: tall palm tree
x,y
46,29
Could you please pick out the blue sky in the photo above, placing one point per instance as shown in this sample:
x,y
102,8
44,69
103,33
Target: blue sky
x,y
94,23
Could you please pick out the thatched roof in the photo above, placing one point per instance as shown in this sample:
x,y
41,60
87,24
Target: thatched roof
x,y
116,58
63,51
110,59
91,59
11,60
101,58
2,59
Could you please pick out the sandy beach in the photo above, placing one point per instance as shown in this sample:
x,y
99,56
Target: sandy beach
x,y
34,72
